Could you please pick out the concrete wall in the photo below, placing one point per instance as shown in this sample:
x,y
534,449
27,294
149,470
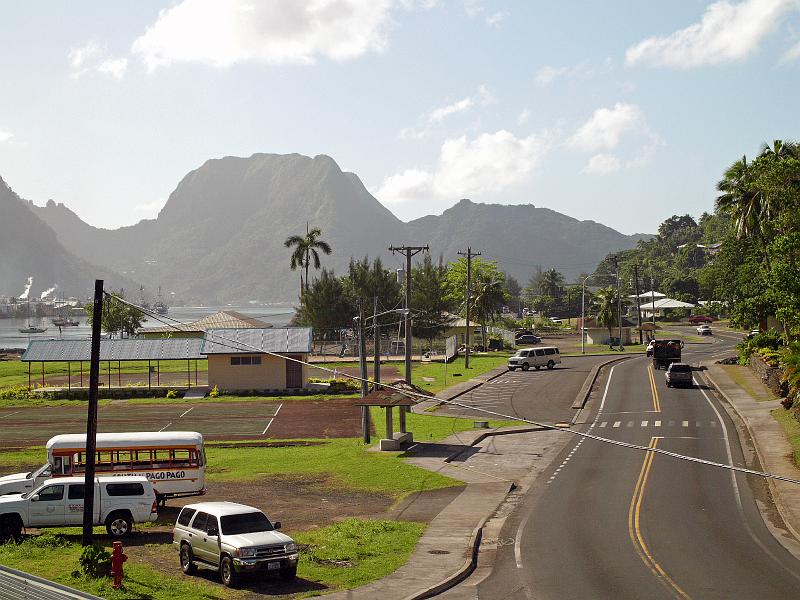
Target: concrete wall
x,y
769,375
600,336
269,375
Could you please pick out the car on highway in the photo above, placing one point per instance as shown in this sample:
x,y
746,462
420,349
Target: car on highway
x,y
525,358
697,319
528,338
679,374
704,330
232,539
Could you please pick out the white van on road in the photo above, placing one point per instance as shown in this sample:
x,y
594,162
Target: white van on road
x,y
118,504
525,358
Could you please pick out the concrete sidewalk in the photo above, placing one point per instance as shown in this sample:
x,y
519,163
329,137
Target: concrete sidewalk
x,y
773,449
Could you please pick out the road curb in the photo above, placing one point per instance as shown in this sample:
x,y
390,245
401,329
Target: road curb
x,y
463,572
483,436
773,490
583,395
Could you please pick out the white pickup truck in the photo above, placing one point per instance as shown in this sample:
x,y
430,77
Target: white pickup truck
x,y
22,483
119,502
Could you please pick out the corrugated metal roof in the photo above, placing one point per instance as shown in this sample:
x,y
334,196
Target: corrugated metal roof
x,y
285,340
124,350
228,319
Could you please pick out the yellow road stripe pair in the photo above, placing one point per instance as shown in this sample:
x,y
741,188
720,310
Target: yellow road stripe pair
x,y
634,525
654,389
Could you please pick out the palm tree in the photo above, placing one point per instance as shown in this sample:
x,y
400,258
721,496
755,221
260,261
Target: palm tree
x,y
305,251
780,149
739,200
605,301
488,298
551,283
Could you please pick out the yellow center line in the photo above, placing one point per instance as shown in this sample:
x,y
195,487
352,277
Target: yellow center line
x,y
654,389
634,527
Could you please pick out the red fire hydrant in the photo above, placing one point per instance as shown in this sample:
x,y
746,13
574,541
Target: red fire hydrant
x,y
117,559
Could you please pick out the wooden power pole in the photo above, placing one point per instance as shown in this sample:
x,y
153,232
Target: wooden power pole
x,y
469,254
408,251
91,417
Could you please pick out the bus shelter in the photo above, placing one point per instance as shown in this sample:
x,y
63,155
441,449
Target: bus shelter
x,y
388,399
114,351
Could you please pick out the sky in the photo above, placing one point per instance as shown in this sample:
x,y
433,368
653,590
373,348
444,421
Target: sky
x,y
623,112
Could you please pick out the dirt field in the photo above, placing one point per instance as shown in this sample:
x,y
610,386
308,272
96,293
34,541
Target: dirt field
x,y
216,421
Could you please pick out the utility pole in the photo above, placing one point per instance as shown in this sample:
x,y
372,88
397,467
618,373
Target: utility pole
x,y
408,251
653,305
619,305
638,306
376,336
362,363
469,254
91,417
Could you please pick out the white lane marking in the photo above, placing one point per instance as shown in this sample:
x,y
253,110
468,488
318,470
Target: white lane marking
x,y
644,423
657,423
267,427
617,423
685,423
165,426
186,413
603,424
278,410
9,414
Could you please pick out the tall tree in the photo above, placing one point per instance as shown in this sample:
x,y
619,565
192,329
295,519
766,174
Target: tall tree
x,y
365,281
551,283
305,252
429,300
605,304
324,306
118,318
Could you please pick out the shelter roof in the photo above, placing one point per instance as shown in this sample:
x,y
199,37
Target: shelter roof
x,y
121,350
651,294
385,397
283,340
224,319
665,303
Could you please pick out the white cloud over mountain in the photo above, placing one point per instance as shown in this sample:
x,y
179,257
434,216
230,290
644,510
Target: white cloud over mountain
x,y
727,32
94,57
489,163
605,130
481,98
224,33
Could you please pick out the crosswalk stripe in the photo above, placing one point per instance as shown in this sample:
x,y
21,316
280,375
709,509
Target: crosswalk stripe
x,y
685,423
657,423
644,423
604,423
617,423
630,423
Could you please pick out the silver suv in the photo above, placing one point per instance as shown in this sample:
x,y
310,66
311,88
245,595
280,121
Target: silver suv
x,y
679,374
232,538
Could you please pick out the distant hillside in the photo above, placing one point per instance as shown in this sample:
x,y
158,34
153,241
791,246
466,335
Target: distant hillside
x,y
29,248
219,238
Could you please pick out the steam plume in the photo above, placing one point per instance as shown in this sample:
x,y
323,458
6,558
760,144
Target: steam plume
x,y
46,293
24,295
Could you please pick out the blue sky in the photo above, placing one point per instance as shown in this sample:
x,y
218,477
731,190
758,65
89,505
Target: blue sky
x,y
622,112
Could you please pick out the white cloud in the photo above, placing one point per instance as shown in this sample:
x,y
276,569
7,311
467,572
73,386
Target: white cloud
x,y
482,97
495,19
524,116
94,57
548,74
606,126
473,7
726,33
5,136
489,163
115,67
602,164
791,54
605,131
222,34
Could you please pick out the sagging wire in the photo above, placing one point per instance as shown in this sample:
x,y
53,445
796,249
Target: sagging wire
x,y
239,346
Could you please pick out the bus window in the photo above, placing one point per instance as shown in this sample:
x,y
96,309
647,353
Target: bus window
x,y
181,458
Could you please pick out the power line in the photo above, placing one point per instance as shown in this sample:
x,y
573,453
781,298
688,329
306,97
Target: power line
x,y
237,345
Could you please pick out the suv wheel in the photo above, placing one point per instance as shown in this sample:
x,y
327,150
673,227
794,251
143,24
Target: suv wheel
x,y
525,366
551,364
187,566
10,528
226,572
119,524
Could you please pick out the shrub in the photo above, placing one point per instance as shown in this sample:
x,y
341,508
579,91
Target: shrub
x,y
746,347
338,385
95,561
770,356
172,394
214,393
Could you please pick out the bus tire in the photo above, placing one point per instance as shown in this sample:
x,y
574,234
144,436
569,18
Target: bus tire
x,y
551,365
119,524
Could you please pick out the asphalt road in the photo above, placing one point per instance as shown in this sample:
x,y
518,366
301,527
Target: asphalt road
x,y
610,522
545,395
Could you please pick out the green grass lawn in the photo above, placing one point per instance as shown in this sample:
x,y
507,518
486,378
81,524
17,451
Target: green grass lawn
x,y
430,428
15,372
791,426
760,393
